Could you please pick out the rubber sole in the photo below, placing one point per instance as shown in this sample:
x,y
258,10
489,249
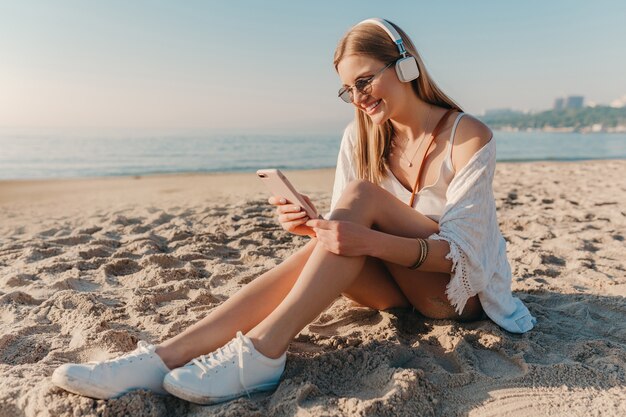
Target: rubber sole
x,y
81,387
87,389
181,393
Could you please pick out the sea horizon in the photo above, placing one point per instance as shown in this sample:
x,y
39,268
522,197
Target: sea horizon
x,y
58,154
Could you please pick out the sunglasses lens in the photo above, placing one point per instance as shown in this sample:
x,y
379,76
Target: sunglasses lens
x,y
362,86
345,95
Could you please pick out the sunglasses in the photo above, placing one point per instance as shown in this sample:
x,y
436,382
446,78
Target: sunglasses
x,y
362,85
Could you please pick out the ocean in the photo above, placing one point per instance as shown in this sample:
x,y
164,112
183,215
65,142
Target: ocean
x,y
25,155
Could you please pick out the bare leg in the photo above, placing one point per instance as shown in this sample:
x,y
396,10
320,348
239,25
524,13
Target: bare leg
x,y
323,278
326,275
242,311
374,288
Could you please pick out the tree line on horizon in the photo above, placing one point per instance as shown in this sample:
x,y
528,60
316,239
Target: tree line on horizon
x,y
576,119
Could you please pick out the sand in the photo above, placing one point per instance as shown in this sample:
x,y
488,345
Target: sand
x,y
89,267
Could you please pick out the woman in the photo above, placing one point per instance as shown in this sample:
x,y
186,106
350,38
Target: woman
x,y
412,224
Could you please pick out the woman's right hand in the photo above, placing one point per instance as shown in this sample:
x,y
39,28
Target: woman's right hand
x,y
292,217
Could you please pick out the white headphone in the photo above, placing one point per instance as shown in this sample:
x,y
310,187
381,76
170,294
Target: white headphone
x,y
406,67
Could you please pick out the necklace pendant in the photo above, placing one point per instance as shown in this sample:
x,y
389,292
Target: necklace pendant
x,y
410,164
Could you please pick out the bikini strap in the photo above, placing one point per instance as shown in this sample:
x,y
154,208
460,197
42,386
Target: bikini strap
x,y
456,123
433,135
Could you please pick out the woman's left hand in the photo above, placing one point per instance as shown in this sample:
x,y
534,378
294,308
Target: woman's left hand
x,y
342,237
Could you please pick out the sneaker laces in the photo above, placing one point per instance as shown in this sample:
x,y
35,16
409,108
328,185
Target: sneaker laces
x,y
224,354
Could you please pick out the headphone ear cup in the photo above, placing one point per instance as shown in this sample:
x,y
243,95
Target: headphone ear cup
x,y
407,70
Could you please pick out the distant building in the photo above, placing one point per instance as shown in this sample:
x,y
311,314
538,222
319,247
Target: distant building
x,y
558,103
571,102
574,102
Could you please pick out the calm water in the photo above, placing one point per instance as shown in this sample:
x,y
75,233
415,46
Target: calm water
x,y
37,155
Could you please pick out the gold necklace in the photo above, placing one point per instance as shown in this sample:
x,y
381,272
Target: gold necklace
x,y
403,155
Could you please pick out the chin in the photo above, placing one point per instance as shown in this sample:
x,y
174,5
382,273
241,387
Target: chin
x,y
377,119
380,117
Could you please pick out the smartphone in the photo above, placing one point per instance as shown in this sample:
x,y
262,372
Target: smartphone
x,y
279,186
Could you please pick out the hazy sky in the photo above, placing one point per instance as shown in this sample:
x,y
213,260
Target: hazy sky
x,y
244,65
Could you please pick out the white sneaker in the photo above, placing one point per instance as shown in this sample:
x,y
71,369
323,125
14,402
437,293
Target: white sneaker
x,y
233,370
140,369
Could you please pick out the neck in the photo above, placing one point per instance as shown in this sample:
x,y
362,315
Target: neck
x,y
411,121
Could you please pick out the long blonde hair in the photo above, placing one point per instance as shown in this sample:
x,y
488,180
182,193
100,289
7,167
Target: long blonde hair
x,y
373,142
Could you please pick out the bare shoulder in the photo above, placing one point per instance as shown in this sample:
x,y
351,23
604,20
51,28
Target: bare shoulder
x,y
470,136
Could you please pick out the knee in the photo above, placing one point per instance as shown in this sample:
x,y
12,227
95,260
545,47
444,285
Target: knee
x,y
358,191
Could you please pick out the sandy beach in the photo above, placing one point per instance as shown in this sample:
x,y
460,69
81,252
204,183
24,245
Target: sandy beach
x,y
88,267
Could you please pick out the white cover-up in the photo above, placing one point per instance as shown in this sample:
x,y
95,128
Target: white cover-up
x,y
469,224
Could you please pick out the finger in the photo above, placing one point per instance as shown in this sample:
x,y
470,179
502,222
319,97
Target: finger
x,y
322,238
277,200
293,224
289,208
319,223
285,218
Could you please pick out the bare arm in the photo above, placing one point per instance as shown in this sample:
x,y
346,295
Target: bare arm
x,y
347,238
405,251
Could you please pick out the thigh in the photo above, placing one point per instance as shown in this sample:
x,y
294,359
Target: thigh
x,y
374,287
427,293
424,290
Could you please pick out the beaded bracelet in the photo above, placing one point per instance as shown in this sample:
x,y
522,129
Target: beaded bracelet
x,y
423,253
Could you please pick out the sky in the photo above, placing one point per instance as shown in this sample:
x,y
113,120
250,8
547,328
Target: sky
x,y
267,65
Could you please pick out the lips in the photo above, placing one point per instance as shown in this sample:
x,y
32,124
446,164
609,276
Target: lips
x,y
372,106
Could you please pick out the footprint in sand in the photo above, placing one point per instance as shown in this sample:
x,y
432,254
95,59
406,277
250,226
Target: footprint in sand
x,y
72,240
433,359
159,219
20,280
125,221
76,284
90,230
28,345
97,252
163,261
19,297
122,267
37,254
552,260
496,365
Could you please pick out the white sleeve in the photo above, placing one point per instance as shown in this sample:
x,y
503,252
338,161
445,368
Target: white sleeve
x,y
345,171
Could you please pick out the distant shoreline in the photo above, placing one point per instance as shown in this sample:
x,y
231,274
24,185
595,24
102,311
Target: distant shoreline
x,y
589,130
598,119
240,175
58,158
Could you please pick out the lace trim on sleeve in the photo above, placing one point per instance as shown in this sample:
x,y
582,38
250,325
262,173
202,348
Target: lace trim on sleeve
x,y
459,289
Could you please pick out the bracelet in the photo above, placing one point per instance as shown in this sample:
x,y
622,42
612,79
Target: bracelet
x,y
423,253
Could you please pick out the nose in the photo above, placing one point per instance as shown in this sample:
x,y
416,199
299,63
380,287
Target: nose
x,y
357,97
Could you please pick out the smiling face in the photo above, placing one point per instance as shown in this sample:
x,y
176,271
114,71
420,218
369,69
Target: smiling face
x,y
386,91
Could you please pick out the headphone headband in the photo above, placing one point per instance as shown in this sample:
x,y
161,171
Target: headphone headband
x,y
406,66
391,31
